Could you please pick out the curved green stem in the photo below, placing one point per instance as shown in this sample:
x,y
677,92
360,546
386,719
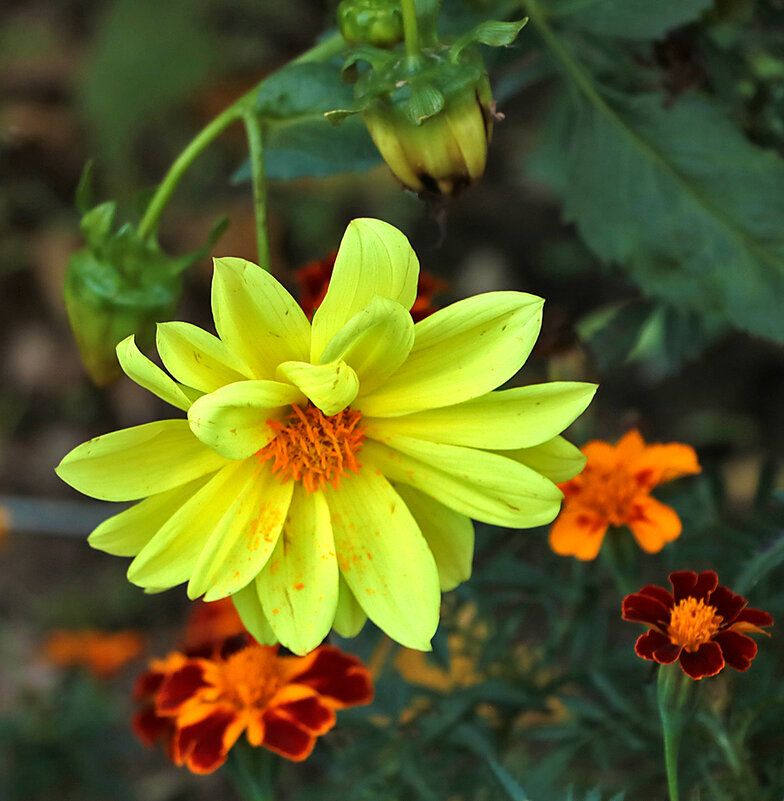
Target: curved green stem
x,y
256,147
252,769
149,223
673,689
411,33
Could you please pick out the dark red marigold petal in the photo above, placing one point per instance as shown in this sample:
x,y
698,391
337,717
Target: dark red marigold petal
x,y
754,616
738,649
707,660
655,646
339,676
149,727
707,582
147,684
311,714
683,582
180,686
644,609
200,745
659,594
286,738
727,603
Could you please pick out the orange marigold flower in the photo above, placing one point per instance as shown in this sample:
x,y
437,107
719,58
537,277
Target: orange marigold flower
x,y
313,280
103,653
614,490
701,624
281,702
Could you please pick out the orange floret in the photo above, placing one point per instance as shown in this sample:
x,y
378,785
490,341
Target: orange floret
x,y
102,653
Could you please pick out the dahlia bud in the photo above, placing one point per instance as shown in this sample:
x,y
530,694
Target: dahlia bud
x,y
120,284
375,22
443,153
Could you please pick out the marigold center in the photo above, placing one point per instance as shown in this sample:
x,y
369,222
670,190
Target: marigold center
x,y
314,448
250,678
693,623
610,493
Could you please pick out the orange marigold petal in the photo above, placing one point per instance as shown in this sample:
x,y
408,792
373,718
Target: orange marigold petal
x,y
203,746
630,446
310,714
653,524
664,462
577,532
600,455
339,677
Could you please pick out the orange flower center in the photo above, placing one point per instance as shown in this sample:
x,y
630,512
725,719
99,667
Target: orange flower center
x,y
609,493
249,678
693,623
315,448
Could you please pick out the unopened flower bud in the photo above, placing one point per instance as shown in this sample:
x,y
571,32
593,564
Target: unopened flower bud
x,y
441,154
375,22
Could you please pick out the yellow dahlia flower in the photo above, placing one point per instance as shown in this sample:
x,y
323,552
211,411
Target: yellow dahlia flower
x,y
327,472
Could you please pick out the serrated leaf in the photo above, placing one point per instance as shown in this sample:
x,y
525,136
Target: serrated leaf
x,y
665,192
425,102
629,19
313,148
300,90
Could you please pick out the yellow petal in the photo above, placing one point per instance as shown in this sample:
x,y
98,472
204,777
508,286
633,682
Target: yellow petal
x,y
557,459
248,607
257,318
461,352
126,533
197,358
170,557
449,535
350,617
135,462
480,485
233,419
147,374
331,387
510,418
298,587
374,259
374,342
385,559
245,536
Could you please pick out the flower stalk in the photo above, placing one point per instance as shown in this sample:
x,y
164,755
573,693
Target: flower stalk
x,y
672,692
237,110
258,180
252,770
411,34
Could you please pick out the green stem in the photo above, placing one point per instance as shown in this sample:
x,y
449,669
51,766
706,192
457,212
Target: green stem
x,y
256,148
411,33
149,223
251,770
613,560
672,693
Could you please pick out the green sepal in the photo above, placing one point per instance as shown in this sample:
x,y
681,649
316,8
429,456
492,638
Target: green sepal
x,y
493,33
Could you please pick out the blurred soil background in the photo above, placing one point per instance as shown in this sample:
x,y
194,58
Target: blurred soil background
x,y
127,83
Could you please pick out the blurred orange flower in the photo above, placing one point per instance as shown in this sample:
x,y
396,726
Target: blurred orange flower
x,y
614,490
202,706
313,280
210,625
103,653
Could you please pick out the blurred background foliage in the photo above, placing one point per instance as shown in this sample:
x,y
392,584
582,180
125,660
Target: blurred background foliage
x,y
637,183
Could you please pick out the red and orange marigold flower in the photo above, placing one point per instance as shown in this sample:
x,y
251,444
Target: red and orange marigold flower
x,y
701,624
614,489
202,706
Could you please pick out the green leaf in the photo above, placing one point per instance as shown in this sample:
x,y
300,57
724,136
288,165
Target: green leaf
x,y
84,195
658,334
314,148
299,90
629,19
666,193
493,33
